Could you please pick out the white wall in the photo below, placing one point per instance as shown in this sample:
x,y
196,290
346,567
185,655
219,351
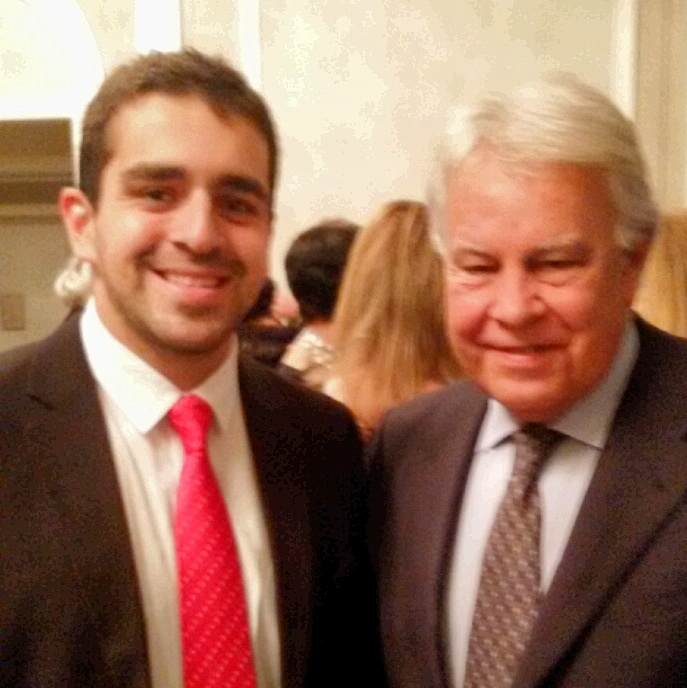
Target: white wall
x,y
50,64
360,89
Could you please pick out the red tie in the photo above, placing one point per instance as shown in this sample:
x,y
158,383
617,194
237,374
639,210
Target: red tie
x,y
215,638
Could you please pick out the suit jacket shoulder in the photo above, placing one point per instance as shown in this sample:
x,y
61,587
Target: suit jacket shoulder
x,y
616,610
69,610
418,463
308,454
619,589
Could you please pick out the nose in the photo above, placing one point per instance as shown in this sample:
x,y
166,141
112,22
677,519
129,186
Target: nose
x,y
197,229
516,300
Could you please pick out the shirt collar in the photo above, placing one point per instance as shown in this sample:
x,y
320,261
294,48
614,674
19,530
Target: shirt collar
x,y
590,419
142,393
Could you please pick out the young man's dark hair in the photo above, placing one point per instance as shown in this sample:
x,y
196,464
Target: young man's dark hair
x,y
314,265
188,72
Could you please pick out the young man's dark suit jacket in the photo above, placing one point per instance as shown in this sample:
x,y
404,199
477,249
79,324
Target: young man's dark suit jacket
x,y
70,612
616,612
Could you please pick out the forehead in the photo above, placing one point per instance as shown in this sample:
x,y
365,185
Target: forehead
x,y
489,199
158,127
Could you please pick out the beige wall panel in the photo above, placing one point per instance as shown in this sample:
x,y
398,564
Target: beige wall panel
x,y
662,96
212,27
31,254
360,90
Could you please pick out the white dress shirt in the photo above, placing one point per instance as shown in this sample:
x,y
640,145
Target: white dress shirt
x,y
563,483
148,457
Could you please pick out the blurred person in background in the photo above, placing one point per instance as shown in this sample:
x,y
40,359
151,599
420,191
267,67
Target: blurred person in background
x,y
662,295
389,325
285,309
314,266
262,334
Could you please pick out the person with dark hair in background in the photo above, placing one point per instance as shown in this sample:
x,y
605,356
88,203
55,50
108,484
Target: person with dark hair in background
x,y
529,524
314,266
172,513
261,335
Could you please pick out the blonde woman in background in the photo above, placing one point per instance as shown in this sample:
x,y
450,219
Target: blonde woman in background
x,y
662,295
388,323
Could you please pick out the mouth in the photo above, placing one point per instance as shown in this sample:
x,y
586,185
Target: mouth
x,y
193,281
193,290
527,357
526,349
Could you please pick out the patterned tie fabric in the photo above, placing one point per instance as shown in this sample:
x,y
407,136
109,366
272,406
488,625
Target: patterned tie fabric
x,y
215,637
509,591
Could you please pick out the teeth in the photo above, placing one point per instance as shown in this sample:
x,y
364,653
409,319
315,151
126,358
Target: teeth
x,y
189,281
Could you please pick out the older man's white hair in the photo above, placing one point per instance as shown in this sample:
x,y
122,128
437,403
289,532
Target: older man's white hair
x,y
558,118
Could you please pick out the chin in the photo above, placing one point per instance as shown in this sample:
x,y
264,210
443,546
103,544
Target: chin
x,y
194,342
532,409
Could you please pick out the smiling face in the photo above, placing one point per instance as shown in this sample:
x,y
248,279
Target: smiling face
x,y
180,234
538,291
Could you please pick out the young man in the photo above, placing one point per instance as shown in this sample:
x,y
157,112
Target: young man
x,y
571,572
173,219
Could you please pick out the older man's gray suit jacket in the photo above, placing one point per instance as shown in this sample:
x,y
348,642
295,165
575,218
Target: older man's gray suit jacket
x,y
616,612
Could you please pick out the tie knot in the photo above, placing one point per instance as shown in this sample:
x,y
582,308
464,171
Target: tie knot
x,y
533,443
191,417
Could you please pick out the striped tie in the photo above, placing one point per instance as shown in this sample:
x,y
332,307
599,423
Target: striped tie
x,y
215,636
509,591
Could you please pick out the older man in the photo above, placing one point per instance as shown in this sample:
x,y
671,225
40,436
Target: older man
x,y
530,523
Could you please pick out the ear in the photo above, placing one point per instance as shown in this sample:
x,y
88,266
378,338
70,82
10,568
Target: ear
x,y
78,217
639,254
636,259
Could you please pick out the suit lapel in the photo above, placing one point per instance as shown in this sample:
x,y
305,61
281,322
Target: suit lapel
x,y
429,481
67,431
459,459
284,493
640,480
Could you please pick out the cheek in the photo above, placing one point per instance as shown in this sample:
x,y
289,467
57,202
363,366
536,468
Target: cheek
x,y
252,245
587,306
255,262
465,315
126,235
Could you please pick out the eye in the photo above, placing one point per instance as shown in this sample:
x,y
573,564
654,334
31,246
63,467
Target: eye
x,y
241,207
558,264
556,270
471,272
477,268
153,196
159,195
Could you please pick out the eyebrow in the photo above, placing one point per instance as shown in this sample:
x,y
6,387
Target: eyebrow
x,y
465,252
152,172
163,173
462,249
577,248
